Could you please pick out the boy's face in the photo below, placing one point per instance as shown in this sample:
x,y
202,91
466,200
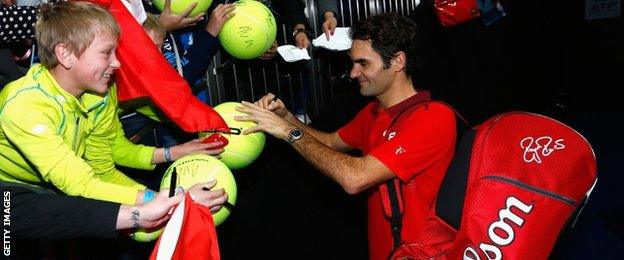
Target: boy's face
x,y
94,68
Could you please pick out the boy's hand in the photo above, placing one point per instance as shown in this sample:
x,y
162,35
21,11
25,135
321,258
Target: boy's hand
x,y
172,21
195,147
219,15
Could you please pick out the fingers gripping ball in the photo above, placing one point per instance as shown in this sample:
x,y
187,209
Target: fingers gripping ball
x,y
241,150
143,235
250,32
179,6
199,168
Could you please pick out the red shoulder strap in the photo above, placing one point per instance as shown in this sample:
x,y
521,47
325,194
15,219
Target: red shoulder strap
x,y
391,193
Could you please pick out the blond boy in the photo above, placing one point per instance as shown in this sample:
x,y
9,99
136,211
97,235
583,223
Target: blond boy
x,y
58,123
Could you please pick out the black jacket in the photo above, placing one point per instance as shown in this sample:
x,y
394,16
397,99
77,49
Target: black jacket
x,y
28,214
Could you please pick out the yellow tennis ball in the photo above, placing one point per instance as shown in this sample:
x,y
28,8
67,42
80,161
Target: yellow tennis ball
x,y
250,32
152,112
200,168
141,235
178,6
241,150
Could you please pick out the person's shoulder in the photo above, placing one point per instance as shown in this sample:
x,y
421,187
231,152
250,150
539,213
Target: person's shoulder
x,y
435,110
22,88
440,107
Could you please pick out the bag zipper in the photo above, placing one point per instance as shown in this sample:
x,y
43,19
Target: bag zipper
x,y
525,186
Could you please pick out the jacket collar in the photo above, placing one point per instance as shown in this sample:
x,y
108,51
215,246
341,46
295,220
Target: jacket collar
x,y
46,81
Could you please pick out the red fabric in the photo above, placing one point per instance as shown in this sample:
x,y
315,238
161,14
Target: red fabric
x,y
426,138
198,237
453,12
144,72
528,174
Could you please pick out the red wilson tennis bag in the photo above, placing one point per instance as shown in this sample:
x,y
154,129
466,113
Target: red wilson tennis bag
x,y
515,183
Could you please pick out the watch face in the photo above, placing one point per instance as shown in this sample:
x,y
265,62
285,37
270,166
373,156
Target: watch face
x,y
297,133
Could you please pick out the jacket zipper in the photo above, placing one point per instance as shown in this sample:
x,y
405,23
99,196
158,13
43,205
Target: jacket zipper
x,y
76,131
525,186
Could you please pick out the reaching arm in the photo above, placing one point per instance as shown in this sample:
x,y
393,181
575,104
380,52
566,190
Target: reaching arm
x,y
172,21
354,174
294,16
148,215
332,140
51,216
156,212
328,12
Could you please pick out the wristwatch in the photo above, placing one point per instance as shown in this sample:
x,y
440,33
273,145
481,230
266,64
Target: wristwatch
x,y
295,135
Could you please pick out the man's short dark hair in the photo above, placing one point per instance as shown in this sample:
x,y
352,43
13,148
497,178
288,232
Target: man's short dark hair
x,y
390,33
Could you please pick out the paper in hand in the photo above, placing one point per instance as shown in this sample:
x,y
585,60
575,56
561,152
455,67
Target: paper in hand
x,y
340,41
291,53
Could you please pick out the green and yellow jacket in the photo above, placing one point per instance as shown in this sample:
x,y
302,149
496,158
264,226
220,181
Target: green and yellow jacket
x,y
48,136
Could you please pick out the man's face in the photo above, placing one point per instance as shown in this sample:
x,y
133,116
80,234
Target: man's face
x,y
368,69
94,68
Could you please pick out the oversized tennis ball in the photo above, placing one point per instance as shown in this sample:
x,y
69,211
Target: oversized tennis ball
x,y
152,112
141,235
241,150
200,168
249,33
178,6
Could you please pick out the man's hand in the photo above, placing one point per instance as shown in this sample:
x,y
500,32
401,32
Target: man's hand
x,y
219,15
267,121
268,55
270,102
329,24
203,194
172,21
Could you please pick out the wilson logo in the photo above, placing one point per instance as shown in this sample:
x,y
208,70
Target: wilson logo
x,y
500,232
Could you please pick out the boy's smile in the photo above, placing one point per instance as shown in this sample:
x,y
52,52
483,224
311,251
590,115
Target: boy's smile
x,y
92,70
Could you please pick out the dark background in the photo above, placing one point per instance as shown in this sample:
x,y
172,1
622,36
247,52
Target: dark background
x,y
544,57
